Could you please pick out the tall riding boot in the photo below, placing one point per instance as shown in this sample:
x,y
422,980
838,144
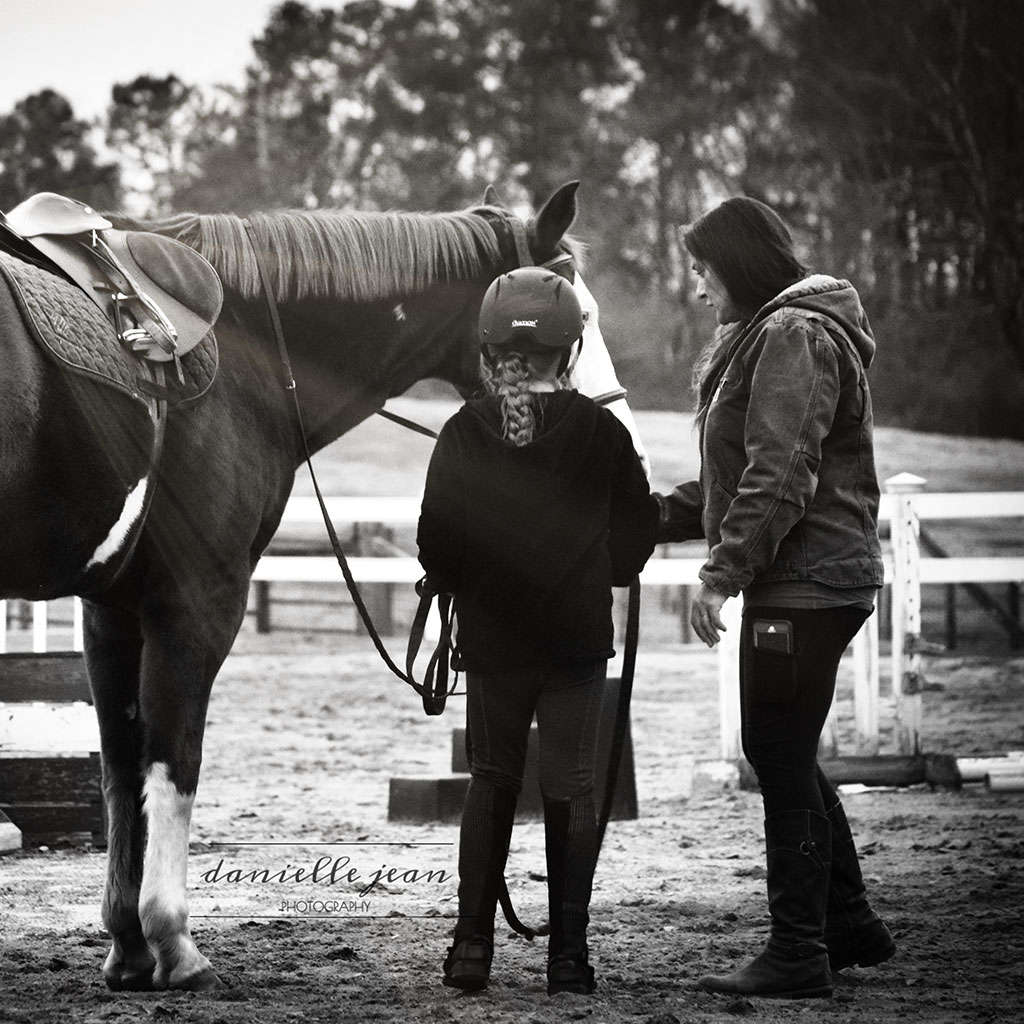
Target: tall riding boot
x,y
487,820
570,836
794,963
854,933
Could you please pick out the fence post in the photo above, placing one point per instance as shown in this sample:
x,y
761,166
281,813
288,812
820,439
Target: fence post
x,y
729,679
866,686
906,611
40,625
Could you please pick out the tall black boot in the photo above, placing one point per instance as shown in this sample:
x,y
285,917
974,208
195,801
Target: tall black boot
x,y
854,933
570,838
794,963
486,830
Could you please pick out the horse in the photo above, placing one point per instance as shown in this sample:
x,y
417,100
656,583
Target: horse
x,y
161,545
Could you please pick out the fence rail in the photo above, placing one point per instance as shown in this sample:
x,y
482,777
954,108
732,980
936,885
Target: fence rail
x,y
904,505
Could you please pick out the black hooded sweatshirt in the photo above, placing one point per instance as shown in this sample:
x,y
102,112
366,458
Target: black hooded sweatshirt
x,y
531,539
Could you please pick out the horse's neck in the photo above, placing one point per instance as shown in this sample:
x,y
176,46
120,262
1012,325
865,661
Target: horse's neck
x,y
350,357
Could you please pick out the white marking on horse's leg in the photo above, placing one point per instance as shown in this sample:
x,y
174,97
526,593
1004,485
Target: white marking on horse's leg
x,y
120,531
163,907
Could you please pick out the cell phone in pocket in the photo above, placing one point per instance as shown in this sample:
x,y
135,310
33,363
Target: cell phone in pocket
x,y
773,635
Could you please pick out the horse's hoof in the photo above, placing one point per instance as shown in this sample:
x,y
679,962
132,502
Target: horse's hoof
x,y
203,980
124,977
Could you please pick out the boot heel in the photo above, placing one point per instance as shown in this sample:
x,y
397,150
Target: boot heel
x,y
570,974
468,965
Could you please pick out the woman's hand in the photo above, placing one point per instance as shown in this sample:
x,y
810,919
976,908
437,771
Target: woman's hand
x,y
705,615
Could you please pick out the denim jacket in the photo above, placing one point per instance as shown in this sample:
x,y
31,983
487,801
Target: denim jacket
x,y
787,487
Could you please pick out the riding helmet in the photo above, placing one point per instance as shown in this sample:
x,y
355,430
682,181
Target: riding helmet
x,y
530,310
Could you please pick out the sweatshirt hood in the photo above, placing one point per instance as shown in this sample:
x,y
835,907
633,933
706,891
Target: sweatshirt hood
x,y
561,415
834,299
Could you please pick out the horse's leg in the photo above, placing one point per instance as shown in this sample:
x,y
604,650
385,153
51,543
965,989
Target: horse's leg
x,y
113,647
183,650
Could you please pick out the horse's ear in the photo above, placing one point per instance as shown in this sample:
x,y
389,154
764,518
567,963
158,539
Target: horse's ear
x,y
491,196
556,216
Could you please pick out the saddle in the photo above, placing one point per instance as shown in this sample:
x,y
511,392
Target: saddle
x,y
79,338
161,296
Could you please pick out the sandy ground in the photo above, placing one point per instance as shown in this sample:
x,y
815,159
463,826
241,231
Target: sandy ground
x,y
306,732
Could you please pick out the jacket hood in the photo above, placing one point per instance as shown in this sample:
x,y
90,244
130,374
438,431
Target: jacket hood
x,y
832,298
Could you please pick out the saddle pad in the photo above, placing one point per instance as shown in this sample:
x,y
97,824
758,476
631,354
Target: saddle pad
x,y
79,338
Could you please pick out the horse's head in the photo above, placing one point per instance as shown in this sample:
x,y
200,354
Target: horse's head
x,y
538,240
543,240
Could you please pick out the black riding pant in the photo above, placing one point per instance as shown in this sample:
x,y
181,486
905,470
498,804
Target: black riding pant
x,y
567,703
786,690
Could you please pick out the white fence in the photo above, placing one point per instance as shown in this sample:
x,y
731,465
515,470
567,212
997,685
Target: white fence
x,y
904,506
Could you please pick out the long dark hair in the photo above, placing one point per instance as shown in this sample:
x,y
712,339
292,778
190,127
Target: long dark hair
x,y
750,249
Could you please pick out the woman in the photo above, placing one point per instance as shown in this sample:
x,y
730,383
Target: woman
x,y
535,505
788,502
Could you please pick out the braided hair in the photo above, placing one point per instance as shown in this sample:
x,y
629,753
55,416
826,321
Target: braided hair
x,y
509,375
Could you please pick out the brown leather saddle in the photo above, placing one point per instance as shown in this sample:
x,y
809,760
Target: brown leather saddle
x,y
161,296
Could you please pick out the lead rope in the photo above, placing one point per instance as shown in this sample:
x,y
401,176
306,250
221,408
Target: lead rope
x,y
434,690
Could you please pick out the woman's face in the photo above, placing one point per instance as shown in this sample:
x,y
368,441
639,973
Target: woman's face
x,y
714,294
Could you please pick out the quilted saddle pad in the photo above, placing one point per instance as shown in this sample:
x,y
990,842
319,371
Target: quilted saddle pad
x,y
79,338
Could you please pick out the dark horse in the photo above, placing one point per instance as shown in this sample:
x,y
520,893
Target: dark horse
x,y
369,304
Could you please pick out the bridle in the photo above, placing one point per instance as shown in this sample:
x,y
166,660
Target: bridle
x,y
562,261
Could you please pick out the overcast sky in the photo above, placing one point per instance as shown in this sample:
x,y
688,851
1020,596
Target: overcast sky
x,y
83,47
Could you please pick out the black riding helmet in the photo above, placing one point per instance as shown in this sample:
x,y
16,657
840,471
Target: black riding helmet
x,y
530,310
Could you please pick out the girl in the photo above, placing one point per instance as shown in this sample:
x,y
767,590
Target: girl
x,y
535,506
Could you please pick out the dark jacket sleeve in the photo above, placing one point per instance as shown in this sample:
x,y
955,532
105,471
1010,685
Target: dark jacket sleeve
x,y
441,533
633,520
681,513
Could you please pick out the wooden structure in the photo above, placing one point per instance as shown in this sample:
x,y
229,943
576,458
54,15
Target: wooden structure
x,y
49,795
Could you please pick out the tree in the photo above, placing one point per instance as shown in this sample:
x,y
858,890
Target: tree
x,y
45,148
148,121
698,73
932,137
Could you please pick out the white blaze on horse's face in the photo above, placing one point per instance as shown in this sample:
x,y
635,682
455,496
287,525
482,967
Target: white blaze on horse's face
x,y
594,375
121,530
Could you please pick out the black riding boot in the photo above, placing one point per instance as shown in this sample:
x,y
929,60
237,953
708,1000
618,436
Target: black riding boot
x,y
484,835
570,837
794,963
854,933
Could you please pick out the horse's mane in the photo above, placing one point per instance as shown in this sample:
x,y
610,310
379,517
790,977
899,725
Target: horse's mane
x,y
349,255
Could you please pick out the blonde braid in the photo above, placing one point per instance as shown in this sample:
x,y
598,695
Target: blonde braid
x,y
509,377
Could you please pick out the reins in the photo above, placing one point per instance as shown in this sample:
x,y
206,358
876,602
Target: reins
x,y
434,689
